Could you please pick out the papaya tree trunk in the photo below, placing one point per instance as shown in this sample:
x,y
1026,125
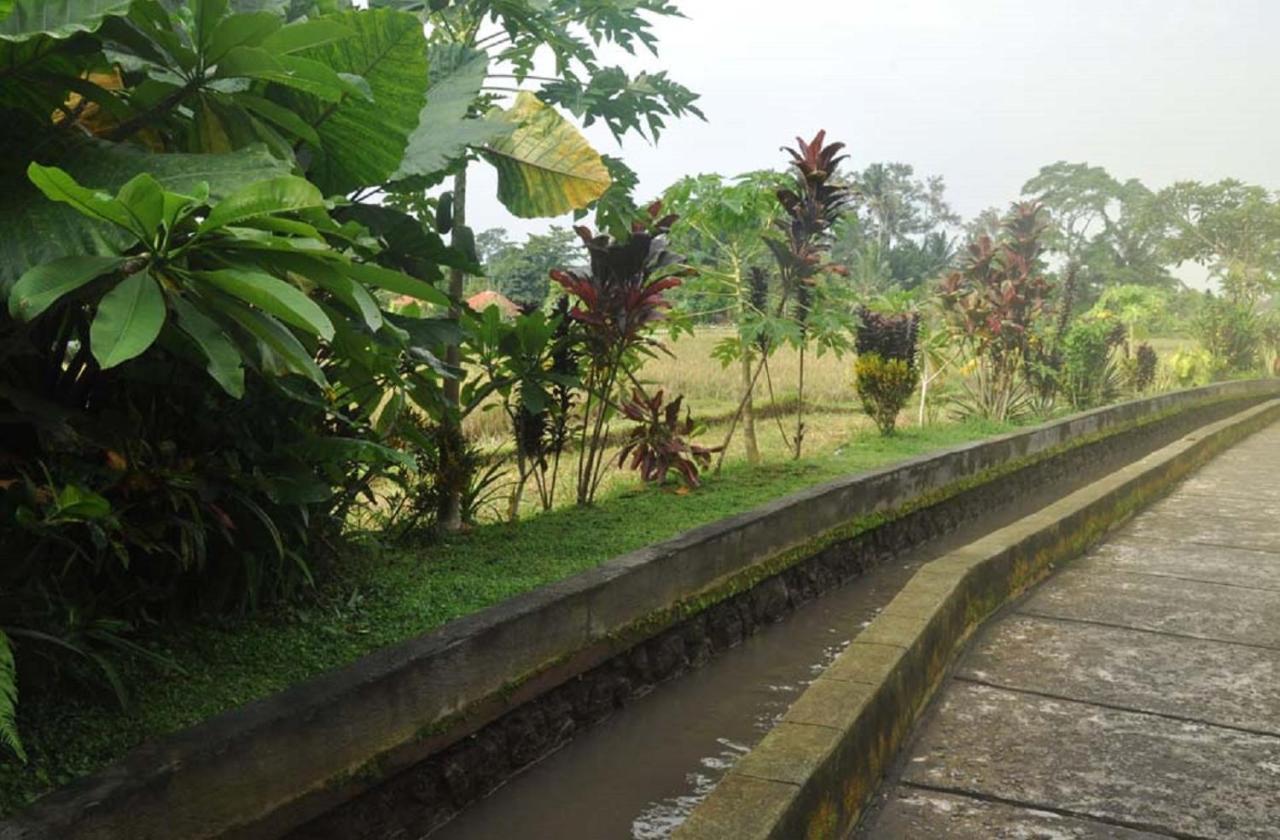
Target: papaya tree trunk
x,y
748,412
451,505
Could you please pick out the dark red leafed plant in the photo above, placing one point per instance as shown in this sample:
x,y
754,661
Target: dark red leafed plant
x,y
811,207
618,302
659,442
993,302
886,374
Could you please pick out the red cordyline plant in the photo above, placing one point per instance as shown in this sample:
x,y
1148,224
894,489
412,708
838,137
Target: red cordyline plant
x,y
618,303
993,303
811,208
659,444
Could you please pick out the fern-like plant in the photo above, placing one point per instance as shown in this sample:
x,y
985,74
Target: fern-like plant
x,y
9,700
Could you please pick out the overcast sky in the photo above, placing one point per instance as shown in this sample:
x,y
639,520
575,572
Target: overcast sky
x,y
983,92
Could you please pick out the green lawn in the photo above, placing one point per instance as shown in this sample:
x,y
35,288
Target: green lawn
x,y
377,597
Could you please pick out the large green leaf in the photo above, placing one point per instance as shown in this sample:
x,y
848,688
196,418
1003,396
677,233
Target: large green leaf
x,y
224,363
288,193
545,167
59,186
273,295
9,700
57,18
35,230
444,131
43,285
281,351
363,141
397,282
128,320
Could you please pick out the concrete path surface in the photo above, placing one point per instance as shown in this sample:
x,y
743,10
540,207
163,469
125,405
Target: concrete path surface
x,y
1135,694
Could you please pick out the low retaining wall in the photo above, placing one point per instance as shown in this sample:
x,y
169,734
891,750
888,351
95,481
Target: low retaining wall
x,y
813,774
268,767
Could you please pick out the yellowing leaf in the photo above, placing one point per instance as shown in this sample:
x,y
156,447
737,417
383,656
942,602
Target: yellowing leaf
x,y
545,167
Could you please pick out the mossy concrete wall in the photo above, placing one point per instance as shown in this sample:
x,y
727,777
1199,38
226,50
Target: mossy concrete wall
x,y
812,775
268,767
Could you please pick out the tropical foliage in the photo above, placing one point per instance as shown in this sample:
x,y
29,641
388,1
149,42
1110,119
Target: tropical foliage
x,y
215,339
994,301
886,372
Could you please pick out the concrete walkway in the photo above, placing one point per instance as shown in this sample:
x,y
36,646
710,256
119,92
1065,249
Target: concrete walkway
x,y
1136,694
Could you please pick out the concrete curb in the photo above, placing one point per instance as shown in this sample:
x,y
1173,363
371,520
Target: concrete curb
x,y
277,763
813,774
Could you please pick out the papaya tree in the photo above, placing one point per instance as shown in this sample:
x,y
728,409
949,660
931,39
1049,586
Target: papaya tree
x,y
483,58
723,222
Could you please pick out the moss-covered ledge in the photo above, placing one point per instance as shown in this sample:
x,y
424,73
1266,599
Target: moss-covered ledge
x,y
272,765
813,774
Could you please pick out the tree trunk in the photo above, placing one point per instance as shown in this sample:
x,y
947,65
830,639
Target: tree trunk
x,y
451,507
748,412
924,389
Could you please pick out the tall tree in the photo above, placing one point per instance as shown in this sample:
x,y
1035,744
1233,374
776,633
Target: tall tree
x,y
522,271
899,234
1231,228
1101,227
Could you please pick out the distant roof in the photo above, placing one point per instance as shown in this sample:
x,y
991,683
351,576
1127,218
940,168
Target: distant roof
x,y
483,300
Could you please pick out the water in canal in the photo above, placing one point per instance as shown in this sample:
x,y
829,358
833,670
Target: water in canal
x,y
640,773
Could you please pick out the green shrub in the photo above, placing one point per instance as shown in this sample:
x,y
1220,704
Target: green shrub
x,y
1088,374
884,386
1231,332
886,374
1191,368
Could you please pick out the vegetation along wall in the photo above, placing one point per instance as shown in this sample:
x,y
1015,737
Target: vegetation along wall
x,y
398,722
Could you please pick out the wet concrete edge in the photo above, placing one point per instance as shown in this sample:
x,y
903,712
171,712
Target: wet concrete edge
x,y
271,765
813,776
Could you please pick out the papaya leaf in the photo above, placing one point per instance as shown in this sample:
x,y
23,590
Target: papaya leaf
x,y
128,320
545,167
444,131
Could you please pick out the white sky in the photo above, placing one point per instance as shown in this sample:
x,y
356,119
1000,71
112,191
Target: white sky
x,y
982,92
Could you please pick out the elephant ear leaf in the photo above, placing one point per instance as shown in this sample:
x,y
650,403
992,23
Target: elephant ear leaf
x,y
444,131
9,700
362,139
545,166
128,320
28,19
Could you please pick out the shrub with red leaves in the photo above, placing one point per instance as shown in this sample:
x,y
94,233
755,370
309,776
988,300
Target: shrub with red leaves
x,y
810,209
993,302
624,292
617,303
658,443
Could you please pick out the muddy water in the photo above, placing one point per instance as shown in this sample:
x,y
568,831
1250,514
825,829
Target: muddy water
x,y
640,773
